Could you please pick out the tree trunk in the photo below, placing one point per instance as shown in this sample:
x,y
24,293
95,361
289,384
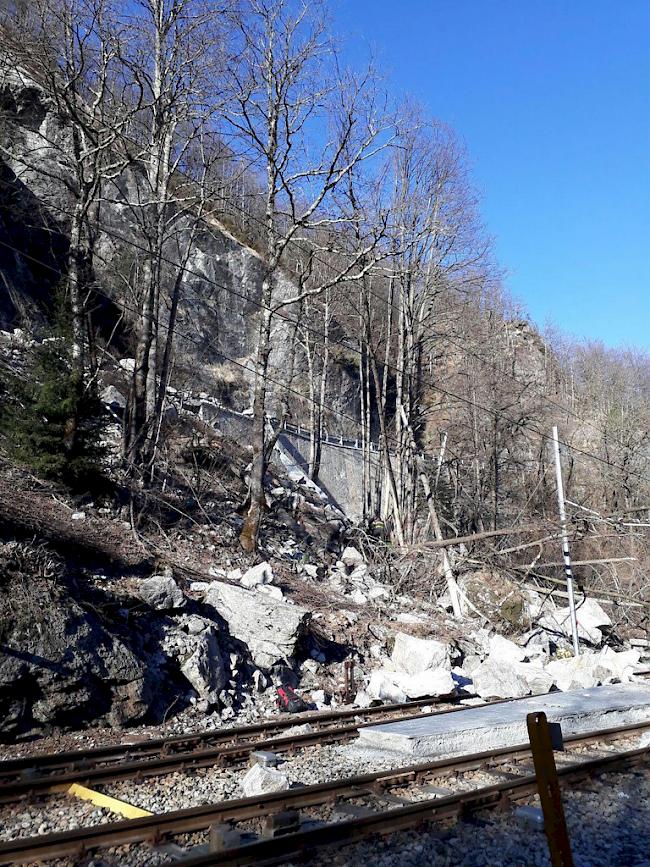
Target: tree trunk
x,y
250,531
318,431
399,529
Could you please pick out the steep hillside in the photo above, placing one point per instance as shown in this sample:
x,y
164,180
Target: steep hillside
x,y
232,460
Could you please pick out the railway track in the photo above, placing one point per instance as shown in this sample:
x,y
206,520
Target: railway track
x,y
381,803
35,775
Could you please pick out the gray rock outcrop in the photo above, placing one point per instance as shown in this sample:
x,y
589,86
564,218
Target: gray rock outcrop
x,y
161,592
204,669
59,664
269,628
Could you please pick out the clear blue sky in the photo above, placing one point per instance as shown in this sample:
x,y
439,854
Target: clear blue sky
x,y
552,98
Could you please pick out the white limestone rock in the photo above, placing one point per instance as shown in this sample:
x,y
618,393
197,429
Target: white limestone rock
x,y
622,664
576,672
502,649
432,682
270,590
351,557
397,686
294,731
414,655
592,669
161,592
204,669
260,574
538,679
494,679
270,629
471,663
382,686
262,781
362,699
589,615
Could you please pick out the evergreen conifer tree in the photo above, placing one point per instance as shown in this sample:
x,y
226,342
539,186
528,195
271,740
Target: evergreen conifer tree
x,y
35,412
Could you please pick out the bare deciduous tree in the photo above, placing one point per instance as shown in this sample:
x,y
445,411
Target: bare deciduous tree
x,y
306,125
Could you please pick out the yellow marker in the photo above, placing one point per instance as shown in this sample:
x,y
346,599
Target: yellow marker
x,y
112,804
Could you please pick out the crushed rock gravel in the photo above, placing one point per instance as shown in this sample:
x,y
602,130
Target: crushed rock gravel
x,y
58,814
312,765
608,821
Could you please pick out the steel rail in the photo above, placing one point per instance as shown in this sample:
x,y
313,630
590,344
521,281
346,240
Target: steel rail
x,y
156,828
384,822
32,785
11,767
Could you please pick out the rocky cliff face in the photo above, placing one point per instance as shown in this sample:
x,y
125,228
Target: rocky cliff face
x,y
218,316
59,663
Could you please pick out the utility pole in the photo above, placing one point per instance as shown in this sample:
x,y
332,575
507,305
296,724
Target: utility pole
x,y
565,541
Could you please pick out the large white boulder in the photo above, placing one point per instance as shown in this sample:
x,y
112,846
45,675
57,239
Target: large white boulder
x,y
577,672
397,686
383,686
432,682
414,655
269,628
592,669
538,679
262,781
502,649
494,679
589,616
622,664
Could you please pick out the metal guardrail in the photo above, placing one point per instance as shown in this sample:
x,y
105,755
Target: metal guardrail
x,y
331,439
337,440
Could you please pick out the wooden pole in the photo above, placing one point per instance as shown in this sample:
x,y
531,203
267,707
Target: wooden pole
x,y
557,835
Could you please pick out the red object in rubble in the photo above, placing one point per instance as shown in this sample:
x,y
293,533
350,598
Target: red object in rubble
x,y
288,701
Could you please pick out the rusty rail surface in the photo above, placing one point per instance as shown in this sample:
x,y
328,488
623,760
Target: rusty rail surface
x,y
9,767
155,829
34,775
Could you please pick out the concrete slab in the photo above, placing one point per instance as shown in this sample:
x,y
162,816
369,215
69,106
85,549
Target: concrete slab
x,y
503,725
